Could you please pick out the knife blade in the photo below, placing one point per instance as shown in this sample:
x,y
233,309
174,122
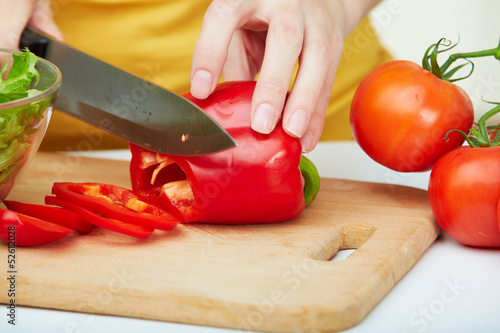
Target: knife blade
x,y
125,105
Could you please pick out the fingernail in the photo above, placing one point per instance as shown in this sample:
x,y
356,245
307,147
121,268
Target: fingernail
x,y
263,118
201,84
296,124
308,142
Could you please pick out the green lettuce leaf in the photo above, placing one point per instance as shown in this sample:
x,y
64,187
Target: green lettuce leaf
x,y
20,77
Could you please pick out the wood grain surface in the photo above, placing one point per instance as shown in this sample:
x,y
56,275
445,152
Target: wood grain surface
x,y
272,277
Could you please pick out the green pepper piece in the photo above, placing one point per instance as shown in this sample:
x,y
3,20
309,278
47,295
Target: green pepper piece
x,y
311,178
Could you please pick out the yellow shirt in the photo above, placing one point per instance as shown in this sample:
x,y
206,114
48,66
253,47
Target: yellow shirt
x,y
154,39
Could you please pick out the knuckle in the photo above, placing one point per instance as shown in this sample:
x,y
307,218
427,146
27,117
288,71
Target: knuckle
x,y
273,86
206,51
309,97
288,34
223,8
321,49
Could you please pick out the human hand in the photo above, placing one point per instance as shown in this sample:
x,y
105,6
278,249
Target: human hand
x,y
15,15
240,38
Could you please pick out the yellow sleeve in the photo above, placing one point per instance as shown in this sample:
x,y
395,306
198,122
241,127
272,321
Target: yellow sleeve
x,y
154,39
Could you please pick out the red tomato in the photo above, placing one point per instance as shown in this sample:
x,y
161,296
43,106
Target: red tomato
x,y
464,192
400,114
25,230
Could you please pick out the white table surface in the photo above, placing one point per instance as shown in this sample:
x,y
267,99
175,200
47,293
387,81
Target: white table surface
x,y
451,288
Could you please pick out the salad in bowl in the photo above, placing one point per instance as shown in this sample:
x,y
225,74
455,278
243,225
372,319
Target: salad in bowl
x,y
29,86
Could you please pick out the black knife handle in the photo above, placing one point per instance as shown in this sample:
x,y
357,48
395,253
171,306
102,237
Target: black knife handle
x,y
35,40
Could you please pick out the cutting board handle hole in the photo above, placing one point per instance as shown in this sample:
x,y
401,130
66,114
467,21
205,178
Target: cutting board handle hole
x,y
346,240
342,254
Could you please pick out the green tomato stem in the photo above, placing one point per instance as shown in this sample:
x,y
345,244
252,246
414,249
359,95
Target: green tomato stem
x,y
482,121
454,57
430,63
470,140
477,138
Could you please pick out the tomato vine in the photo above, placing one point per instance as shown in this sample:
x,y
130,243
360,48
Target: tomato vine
x,y
483,136
444,72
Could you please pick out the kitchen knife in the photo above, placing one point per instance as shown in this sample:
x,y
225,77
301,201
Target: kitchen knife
x,y
125,105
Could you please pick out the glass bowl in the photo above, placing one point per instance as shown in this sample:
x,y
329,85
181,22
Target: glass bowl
x,y
23,123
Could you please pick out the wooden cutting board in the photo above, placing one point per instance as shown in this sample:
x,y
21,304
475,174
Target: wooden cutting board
x,y
273,277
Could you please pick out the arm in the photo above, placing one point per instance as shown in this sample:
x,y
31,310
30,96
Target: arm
x,y
242,38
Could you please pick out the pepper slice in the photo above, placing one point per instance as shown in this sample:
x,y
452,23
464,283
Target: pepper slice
x,y
53,214
259,181
100,221
115,202
24,230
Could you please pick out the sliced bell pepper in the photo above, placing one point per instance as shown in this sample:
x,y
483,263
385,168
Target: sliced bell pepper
x,y
259,181
115,202
52,214
24,230
100,221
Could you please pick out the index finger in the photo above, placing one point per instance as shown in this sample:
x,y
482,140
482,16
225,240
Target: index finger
x,y
221,20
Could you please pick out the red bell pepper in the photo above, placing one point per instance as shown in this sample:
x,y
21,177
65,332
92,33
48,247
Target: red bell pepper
x,y
52,214
24,230
115,202
260,181
100,221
